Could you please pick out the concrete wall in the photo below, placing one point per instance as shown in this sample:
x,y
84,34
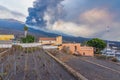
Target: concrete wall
x,y
21,44
5,45
87,51
58,40
29,44
71,47
49,47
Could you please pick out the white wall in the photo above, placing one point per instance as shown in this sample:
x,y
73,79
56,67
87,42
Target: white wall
x,y
29,44
5,45
49,47
21,44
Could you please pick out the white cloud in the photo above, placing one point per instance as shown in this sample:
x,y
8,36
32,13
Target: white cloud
x,y
8,14
71,29
17,5
96,16
93,24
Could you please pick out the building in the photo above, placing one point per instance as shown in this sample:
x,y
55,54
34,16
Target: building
x,y
6,37
51,41
76,48
87,51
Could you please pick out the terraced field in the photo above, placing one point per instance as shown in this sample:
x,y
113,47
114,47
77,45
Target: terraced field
x,y
31,65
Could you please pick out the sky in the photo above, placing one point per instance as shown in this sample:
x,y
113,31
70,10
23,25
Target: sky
x,y
17,5
84,18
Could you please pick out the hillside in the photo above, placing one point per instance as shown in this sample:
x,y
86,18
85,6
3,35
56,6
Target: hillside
x,y
10,26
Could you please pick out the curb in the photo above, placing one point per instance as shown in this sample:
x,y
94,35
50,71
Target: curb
x,y
76,74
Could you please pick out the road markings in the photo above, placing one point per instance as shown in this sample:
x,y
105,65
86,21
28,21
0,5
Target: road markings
x,y
101,66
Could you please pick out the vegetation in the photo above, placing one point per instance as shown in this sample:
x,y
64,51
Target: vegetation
x,y
84,43
28,39
98,44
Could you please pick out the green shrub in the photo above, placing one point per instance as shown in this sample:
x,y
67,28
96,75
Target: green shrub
x,y
28,39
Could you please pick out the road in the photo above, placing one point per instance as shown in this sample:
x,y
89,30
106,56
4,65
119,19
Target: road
x,y
35,65
90,67
94,69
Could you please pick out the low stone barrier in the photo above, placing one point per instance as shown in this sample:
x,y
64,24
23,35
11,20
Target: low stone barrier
x,y
77,75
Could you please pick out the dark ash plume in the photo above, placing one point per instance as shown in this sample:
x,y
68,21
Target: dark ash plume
x,y
41,8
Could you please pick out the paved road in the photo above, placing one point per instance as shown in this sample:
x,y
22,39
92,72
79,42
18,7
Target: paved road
x,y
32,66
94,69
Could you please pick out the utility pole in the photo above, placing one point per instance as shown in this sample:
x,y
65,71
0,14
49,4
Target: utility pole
x,y
108,30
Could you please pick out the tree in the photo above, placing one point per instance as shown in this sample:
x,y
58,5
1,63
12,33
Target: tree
x,y
26,30
28,39
98,44
84,43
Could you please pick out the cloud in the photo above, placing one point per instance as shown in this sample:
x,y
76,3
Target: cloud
x,y
18,5
8,14
71,29
96,16
86,18
93,23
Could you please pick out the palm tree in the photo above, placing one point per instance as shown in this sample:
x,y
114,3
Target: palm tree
x,y
26,30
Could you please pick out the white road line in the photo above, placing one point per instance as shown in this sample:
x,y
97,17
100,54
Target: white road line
x,y
101,66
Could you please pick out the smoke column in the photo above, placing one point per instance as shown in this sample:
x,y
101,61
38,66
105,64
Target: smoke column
x,y
73,17
45,12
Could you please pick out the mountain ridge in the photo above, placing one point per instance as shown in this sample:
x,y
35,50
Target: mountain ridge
x,y
16,26
11,26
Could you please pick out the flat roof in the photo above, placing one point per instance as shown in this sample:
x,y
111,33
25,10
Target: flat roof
x,y
47,39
